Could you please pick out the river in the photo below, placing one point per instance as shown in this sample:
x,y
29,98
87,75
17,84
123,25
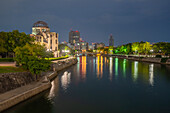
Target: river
x,y
104,85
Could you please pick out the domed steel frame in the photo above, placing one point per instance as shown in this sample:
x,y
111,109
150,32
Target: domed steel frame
x,y
40,24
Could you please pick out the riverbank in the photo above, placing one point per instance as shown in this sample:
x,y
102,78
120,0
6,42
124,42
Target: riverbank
x,y
165,61
17,95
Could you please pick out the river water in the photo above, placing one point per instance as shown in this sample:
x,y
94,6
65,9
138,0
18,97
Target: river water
x,y
104,85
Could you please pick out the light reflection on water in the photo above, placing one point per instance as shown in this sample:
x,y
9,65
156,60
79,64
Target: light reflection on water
x,y
135,70
124,67
116,66
151,74
65,80
99,66
54,89
111,68
115,88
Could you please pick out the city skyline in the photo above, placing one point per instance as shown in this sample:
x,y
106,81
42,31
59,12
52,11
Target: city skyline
x,y
128,21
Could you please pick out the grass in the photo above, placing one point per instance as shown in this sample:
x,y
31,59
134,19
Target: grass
x,y
10,69
58,58
6,60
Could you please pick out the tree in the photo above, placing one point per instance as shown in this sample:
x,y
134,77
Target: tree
x,y
37,65
14,39
2,42
32,58
163,47
135,47
129,48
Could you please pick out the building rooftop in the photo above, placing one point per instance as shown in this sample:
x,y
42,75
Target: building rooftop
x,y
40,24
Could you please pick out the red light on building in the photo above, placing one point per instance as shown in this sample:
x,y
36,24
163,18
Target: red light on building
x,y
76,31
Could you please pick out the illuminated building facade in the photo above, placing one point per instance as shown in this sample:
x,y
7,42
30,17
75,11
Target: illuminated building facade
x,y
111,41
97,45
42,34
84,46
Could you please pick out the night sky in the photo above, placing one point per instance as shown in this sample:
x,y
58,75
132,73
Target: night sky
x,y
128,20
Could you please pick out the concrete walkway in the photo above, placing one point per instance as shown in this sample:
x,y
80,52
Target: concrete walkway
x,y
20,94
20,90
7,64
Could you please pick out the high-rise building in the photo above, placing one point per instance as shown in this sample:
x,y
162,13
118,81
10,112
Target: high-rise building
x,y
43,36
74,37
111,41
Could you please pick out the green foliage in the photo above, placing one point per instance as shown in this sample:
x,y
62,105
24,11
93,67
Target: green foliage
x,y
58,58
135,46
37,65
32,58
2,42
10,40
162,47
29,51
9,69
144,47
6,60
123,49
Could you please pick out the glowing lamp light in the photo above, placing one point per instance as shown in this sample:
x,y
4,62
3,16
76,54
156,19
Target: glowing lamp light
x,y
65,51
151,50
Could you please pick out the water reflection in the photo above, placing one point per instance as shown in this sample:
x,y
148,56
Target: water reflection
x,y
116,66
54,88
83,66
101,62
78,66
65,80
135,70
138,70
99,67
94,92
98,64
94,64
111,68
124,67
151,74
105,62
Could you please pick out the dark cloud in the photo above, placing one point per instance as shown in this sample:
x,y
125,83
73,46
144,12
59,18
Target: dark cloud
x,y
127,20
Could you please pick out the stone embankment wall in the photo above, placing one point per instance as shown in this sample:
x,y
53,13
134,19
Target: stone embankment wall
x,y
8,99
9,81
144,59
59,65
14,97
168,61
155,60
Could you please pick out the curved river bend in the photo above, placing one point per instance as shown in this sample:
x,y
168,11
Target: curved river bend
x,y
104,85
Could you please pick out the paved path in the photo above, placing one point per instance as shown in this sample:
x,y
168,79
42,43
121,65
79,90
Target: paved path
x,y
7,64
17,91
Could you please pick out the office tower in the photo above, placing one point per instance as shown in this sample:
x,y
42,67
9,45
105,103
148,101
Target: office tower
x,y
111,41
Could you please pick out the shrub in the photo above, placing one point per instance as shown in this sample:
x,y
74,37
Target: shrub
x,y
6,60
